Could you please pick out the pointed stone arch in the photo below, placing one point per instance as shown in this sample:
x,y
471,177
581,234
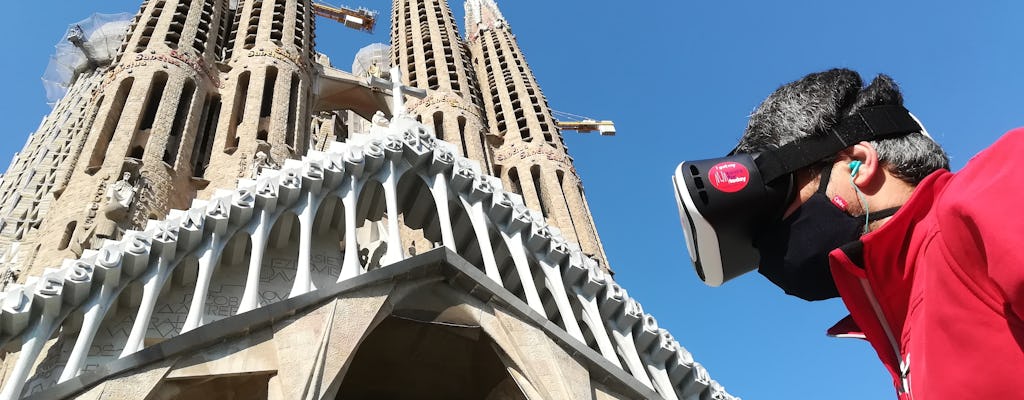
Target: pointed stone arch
x,y
402,358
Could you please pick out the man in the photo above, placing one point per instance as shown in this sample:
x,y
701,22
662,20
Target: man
x,y
929,263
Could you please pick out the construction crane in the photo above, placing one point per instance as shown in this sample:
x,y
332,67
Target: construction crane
x,y
583,124
355,18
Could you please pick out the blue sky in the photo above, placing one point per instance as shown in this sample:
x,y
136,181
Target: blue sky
x,y
679,78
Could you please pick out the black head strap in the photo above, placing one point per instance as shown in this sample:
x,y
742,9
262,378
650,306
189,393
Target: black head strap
x,y
871,123
882,214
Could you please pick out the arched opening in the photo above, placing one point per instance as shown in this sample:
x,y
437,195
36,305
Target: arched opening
x,y
560,175
462,135
152,105
466,243
372,225
229,276
172,306
170,155
328,251
237,112
421,228
150,111
293,104
446,361
136,151
439,125
267,106
280,259
69,232
109,125
535,177
204,141
114,329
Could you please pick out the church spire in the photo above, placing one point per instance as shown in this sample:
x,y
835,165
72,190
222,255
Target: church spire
x,y
527,148
482,15
426,47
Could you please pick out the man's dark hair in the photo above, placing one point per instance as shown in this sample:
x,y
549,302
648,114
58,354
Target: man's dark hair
x,y
815,103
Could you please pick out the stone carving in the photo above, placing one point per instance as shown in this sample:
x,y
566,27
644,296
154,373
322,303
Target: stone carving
x,y
260,161
122,192
244,168
118,200
380,120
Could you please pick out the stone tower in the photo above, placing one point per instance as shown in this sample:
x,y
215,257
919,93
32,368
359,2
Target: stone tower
x,y
40,172
529,153
137,161
428,50
203,247
265,98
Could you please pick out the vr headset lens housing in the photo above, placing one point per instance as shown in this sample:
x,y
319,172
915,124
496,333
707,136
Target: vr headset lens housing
x,y
724,201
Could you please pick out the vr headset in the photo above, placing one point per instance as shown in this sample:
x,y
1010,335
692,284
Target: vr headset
x,y
724,201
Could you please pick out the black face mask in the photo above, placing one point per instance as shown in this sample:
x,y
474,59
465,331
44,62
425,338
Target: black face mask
x,y
794,252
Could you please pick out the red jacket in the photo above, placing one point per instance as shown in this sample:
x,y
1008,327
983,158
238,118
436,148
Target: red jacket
x,y
938,290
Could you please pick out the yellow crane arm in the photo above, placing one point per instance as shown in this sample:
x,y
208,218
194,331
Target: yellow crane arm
x,y
361,18
606,128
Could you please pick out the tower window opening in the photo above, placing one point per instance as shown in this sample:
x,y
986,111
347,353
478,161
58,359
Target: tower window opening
x,y
293,105
156,92
147,32
203,33
204,142
561,184
462,135
69,232
439,125
513,179
268,92
231,33
254,24
137,151
238,112
180,120
277,24
535,174
173,37
109,125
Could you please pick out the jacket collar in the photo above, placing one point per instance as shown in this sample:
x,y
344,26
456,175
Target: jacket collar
x,y
882,255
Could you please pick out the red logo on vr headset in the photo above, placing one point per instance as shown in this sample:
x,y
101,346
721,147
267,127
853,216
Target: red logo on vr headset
x,y
729,177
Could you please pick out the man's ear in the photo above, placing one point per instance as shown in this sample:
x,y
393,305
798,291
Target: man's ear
x,y
869,172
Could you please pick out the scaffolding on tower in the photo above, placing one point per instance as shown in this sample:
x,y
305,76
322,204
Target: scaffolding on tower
x,y
88,43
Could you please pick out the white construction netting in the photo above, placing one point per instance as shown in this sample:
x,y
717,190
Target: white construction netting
x,y
374,60
100,36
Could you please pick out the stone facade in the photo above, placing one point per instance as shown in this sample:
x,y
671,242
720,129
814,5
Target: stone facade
x,y
529,152
40,173
431,55
236,218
